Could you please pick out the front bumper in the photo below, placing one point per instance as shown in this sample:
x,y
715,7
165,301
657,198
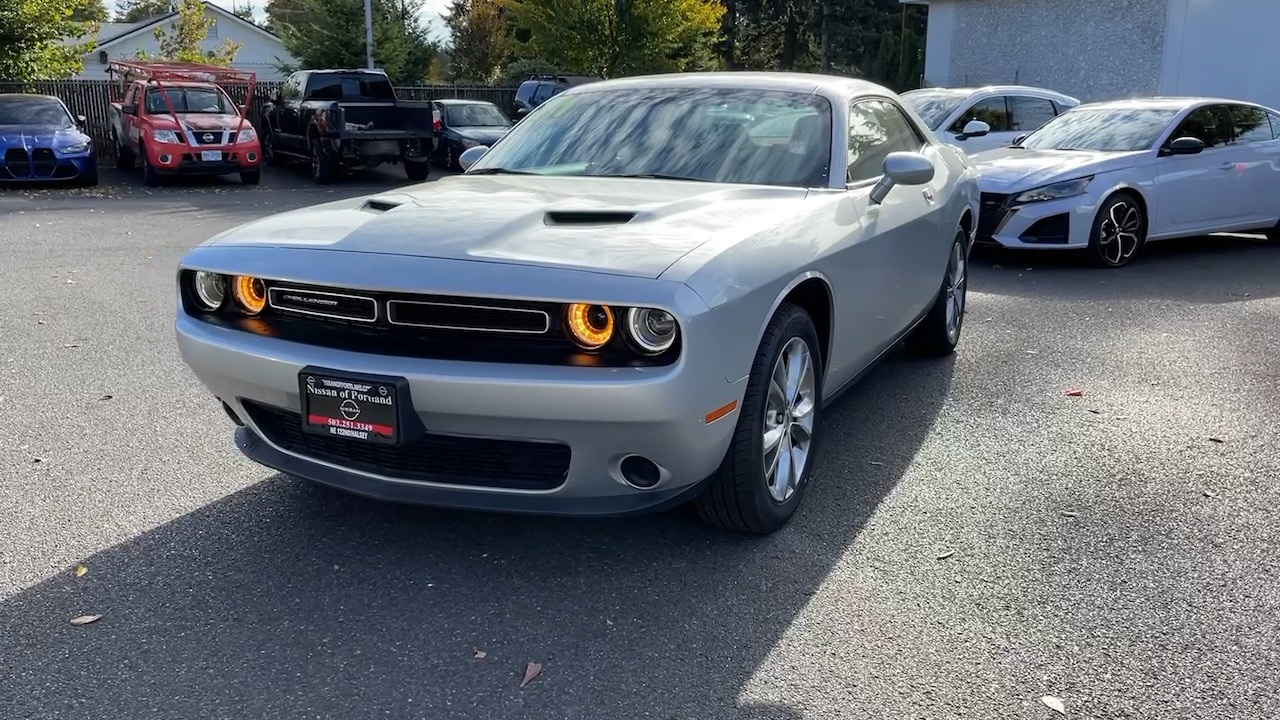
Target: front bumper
x,y
1063,224
185,160
500,437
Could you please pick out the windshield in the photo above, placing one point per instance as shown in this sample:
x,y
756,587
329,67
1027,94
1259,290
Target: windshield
x,y
674,133
34,111
1125,129
189,100
933,106
475,115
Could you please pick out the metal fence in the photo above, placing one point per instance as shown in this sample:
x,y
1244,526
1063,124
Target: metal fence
x,y
91,98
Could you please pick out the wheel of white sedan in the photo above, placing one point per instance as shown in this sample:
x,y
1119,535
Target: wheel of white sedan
x,y
764,474
1119,231
939,332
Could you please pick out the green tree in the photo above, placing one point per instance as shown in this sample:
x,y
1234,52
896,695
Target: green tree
x,y
482,41
32,33
244,12
611,38
91,11
184,40
132,11
331,34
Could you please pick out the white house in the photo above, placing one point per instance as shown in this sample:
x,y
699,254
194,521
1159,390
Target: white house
x,y
260,52
1104,49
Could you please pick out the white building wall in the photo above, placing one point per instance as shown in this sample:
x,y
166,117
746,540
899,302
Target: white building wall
x,y
1223,48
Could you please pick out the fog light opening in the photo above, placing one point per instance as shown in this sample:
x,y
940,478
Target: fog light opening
x,y
232,414
640,472
165,159
253,157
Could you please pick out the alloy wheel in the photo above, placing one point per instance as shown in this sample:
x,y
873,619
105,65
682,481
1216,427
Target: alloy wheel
x,y
790,408
1118,234
957,288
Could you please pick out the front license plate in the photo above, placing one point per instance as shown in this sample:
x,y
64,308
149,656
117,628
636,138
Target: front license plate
x,y
211,155
354,407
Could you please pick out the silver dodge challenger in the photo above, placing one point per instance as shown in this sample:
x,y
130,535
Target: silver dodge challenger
x,y
643,296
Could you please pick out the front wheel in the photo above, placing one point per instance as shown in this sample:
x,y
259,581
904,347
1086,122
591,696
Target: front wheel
x,y
939,332
250,177
150,177
323,167
1119,231
417,171
763,476
269,154
124,158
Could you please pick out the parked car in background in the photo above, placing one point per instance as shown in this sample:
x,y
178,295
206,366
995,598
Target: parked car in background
x,y
41,141
624,305
977,119
463,124
1110,177
343,119
541,88
174,119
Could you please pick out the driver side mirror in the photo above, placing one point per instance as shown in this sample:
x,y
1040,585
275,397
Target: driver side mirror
x,y
471,156
129,109
1018,140
902,168
82,120
974,128
1184,146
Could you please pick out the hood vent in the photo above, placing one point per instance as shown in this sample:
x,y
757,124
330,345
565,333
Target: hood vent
x,y
379,205
589,217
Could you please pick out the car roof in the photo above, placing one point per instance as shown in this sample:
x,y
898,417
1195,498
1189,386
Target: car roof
x,y
1162,102
826,85
462,101
999,89
4,97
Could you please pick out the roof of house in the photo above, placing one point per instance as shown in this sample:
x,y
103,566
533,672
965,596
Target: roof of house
x,y
111,33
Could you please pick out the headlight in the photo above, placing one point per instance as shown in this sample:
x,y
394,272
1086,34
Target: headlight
x,y
165,136
1056,191
76,148
250,293
246,135
590,326
211,289
652,331
468,144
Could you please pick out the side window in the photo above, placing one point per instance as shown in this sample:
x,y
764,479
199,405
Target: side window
x,y
992,111
131,96
543,93
877,128
524,93
1029,113
1275,125
1203,123
1250,125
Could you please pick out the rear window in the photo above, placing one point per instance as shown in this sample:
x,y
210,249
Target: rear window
x,y
353,88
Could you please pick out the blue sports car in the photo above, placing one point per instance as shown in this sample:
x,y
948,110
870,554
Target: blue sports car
x,y
40,141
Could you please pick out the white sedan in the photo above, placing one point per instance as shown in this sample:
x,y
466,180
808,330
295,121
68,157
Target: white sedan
x,y
1110,177
977,119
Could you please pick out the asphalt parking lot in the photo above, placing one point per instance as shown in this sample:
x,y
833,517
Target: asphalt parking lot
x,y
976,538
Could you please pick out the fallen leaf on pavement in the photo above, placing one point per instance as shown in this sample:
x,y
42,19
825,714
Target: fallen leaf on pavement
x,y
531,671
39,322
480,655
1209,493
874,462
85,619
105,397
1068,513
608,621
946,554
1216,440
1073,393
1095,412
1033,352
81,570
997,267
37,460
1054,704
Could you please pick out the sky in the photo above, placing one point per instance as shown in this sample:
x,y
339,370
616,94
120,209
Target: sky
x,y
431,11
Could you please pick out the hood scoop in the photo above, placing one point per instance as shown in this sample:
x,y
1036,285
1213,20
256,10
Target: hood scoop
x,y
588,217
379,205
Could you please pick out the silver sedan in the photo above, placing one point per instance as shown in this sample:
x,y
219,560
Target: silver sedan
x,y
642,296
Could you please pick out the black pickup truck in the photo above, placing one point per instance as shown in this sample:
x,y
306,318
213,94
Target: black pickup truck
x,y
342,119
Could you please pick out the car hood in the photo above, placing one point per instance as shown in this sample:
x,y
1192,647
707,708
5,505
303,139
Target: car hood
x,y
485,135
632,227
1009,169
197,121
28,136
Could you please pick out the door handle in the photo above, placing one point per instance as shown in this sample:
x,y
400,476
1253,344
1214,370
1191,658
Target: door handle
x,y
928,195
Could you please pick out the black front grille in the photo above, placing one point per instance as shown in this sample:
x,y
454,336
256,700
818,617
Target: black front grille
x,y
483,462
991,211
17,162
43,162
323,304
207,137
482,318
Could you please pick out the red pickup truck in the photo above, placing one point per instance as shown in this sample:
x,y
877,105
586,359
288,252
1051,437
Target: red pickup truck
x,y
177,120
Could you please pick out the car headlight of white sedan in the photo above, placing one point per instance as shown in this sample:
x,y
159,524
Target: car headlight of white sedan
x,y
1056,191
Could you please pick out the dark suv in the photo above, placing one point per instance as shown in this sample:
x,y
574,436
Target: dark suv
x,y
541,88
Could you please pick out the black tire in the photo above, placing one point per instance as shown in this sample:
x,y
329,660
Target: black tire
x,y
90,178
124,157
449,161
251,177
935,335
738,496
150,177
1273,234
323,169
269,154
1110,248
417,171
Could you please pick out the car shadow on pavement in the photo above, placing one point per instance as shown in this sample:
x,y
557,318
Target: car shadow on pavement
x,y
1207,269
344,607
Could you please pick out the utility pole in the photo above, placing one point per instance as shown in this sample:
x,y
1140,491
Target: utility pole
x,y
368,34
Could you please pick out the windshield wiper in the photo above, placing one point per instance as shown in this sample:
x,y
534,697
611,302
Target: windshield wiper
x,y
501,171
650,176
